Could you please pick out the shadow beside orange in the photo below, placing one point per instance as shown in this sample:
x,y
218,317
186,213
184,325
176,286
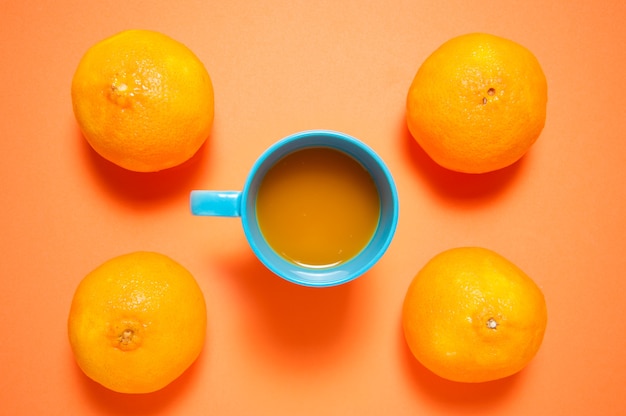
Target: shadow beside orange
x,y
110,402
143,189
451,394
456,188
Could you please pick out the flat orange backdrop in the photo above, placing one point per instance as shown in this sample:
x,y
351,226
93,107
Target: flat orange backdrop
x,y
278,67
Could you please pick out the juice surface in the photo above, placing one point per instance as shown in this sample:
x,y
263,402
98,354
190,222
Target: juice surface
x,y
318,207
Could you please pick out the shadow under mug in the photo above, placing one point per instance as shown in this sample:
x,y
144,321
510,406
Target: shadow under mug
x,y
243,204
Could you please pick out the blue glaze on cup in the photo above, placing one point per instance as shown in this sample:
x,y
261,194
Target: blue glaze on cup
x,y
243,204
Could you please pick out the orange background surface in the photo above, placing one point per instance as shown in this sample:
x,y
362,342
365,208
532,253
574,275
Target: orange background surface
x,y
278,67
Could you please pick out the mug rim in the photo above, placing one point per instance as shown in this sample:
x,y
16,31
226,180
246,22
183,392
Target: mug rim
x,y
348,270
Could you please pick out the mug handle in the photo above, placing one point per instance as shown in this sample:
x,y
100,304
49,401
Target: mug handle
x,y
216,203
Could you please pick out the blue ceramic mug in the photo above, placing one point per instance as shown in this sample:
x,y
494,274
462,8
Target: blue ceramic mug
x,y
243,204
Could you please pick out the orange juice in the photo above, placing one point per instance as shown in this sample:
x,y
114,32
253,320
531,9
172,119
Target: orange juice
x,y
318,207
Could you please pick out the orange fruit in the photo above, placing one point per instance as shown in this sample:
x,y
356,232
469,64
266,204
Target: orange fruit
x,y
470,315
137,322
477,103
143,100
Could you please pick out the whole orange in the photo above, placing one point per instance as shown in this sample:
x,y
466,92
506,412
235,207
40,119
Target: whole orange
x,y
470,315
143,100
137,322
477,103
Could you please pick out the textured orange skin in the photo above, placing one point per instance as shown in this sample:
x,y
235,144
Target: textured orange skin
x,y
143,100
470,315
477,103
137,322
